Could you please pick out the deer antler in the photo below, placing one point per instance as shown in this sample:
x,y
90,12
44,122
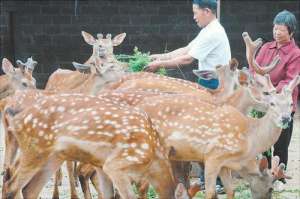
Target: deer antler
x,y
251,51
29,65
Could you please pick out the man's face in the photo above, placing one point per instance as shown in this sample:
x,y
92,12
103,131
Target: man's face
x,y
200,15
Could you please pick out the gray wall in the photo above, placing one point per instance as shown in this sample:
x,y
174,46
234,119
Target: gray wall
x,y
50,30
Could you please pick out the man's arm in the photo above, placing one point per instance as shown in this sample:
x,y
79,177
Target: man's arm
x,y
167,56
174,62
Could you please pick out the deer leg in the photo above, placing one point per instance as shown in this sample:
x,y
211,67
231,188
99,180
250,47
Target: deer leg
x,y
11,148
143,188
26,170
75,173
105,184
117,169
210,173
226,178
42,176
71,171
84,182
57,182
96,184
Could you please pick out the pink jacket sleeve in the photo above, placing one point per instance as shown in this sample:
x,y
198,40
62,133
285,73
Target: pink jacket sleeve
x,y
293,69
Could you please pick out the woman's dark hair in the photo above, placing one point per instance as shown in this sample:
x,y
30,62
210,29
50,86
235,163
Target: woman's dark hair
x,y
286,18
211,4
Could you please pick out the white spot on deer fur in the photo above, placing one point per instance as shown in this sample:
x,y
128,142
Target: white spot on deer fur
x,y
61,109
145,145
28,118
132,159
228,125
52,109
85,121
96,118
91,132
133,145
41,133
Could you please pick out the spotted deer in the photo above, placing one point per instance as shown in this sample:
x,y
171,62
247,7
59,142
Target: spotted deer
x,y
15,79
124,144
268,176
241,99
62,80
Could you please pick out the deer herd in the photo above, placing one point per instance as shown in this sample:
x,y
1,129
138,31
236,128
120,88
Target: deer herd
x,y
116,128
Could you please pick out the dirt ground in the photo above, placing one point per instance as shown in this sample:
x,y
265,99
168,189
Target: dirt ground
x,y
291,190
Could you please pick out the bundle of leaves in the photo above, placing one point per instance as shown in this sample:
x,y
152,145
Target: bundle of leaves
x,y
138,61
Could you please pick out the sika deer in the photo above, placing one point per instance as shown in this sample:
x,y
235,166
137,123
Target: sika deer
x,y
239,99
63,80
122,139
15,79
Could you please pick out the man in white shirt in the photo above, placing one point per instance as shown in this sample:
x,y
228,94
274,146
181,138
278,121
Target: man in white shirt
x,y
210,47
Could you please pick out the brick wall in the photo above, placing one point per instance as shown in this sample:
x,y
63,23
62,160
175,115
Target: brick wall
x,y
50,30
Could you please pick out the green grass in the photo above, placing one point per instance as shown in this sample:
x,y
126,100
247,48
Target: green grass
x,y
138,61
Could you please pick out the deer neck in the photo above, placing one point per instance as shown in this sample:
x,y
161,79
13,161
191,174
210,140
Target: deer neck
x,y
96,82
264,132
223,92
242,100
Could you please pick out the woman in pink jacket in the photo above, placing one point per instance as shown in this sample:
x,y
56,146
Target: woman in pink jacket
x,y
284,28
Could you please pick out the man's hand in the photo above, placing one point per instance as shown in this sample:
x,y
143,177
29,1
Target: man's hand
x,y
153,66
155,57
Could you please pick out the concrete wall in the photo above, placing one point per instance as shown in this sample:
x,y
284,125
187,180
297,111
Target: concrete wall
x,y
50,30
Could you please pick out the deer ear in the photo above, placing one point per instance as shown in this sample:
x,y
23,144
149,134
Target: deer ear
x,y
292,84
118,39
88,38
7,66
233,63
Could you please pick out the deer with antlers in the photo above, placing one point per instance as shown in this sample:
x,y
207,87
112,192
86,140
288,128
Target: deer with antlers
x,y
239,99
14,79
63,80
124,143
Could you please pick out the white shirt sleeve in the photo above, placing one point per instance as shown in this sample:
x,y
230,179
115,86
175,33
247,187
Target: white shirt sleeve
x,y
202,45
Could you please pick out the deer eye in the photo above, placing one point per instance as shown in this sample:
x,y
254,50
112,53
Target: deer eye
x,y
24,84
266,93
272,104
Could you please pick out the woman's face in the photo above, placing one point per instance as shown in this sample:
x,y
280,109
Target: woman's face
x,y
281,34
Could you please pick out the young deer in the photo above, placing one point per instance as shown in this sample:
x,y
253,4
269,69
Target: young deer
x,y
62,80
240,98
123,143
267,176
15,79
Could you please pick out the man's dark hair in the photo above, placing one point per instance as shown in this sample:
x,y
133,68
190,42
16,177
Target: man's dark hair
x,y
211,4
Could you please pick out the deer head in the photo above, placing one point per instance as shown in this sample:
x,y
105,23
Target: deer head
x,y
262,184
281,103
103,47
251,51
20,78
